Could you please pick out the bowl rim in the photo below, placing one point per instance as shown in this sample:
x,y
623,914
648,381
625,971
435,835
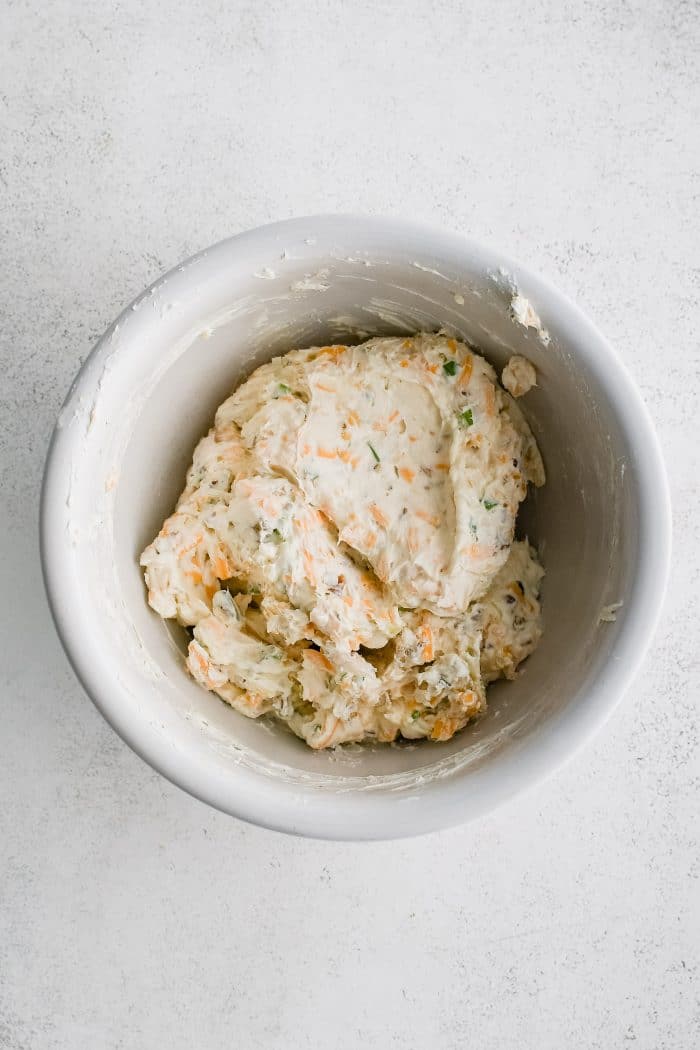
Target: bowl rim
x,y
336,816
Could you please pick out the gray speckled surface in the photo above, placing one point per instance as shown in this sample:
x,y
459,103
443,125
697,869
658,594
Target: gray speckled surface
x,y
130,914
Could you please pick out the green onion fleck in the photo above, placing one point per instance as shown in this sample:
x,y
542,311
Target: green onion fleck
x,y
277,536
373,451
450,368
466,418
285,389
490,503
415,715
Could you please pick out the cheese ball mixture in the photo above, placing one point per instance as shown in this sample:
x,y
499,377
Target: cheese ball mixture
x,y
344,548
519,376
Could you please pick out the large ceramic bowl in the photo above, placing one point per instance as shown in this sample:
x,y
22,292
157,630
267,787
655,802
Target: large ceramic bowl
x,y
149,390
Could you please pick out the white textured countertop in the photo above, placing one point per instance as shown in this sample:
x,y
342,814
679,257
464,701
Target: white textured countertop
x,y
131,915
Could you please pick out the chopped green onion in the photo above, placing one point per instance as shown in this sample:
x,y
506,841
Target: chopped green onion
x,y
285,389
373,451
415,715
490,503
450,368
276,536
466,418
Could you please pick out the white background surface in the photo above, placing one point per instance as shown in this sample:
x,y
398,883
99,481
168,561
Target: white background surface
x,y
134,134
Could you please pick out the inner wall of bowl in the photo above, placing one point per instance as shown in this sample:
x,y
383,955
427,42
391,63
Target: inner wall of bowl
x,y
577,520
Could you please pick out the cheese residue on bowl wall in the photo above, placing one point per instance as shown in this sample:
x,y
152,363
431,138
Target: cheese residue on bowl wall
x,y
524,313
344,550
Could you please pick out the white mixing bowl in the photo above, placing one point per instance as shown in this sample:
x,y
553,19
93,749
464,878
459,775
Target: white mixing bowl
x,y
149,390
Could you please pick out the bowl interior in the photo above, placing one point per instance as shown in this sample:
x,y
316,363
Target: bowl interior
x,y
150,392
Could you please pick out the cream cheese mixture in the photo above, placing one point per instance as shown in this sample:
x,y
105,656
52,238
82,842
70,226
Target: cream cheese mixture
x,y
344,547
519,376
